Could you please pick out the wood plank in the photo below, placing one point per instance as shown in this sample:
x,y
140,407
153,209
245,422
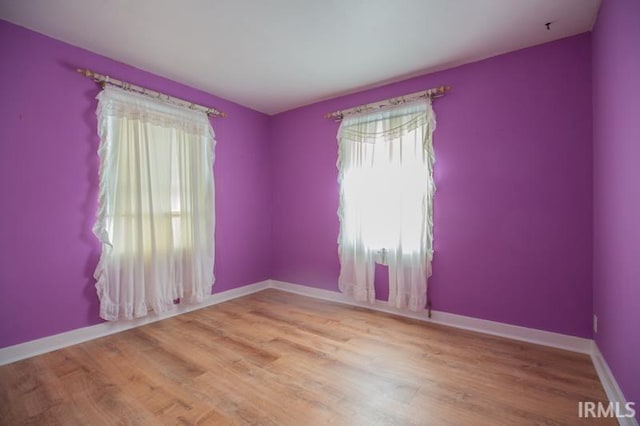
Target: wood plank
x,y
275,358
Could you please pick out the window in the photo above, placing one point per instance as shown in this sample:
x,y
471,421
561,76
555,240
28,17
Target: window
x,y
386,182
156,214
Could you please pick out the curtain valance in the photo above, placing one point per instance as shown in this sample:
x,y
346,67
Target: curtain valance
x,y
119,103
387,124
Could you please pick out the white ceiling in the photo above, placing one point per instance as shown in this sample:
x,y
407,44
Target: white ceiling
x,y
275,55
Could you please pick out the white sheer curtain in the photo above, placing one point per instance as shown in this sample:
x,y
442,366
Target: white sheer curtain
x,y
385,166
156,205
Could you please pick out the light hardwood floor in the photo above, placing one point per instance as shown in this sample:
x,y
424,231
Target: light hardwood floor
x,y
275,358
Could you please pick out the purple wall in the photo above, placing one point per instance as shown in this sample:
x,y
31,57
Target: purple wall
x,y
616,137
48,184
513,212
513,209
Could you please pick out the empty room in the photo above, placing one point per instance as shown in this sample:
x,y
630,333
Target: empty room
x,y
411,212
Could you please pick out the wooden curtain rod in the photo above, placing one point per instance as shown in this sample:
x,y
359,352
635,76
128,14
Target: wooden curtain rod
x,y
433,93
105,79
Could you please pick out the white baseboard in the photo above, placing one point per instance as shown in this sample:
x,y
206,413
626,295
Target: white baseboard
x,y
610,385
51,343
540,337
576,344
47,344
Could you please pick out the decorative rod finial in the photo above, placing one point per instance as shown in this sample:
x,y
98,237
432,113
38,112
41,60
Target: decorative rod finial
x,y
84,72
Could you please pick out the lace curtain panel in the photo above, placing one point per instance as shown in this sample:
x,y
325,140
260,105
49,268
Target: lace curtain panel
x,y
156,205
385,167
